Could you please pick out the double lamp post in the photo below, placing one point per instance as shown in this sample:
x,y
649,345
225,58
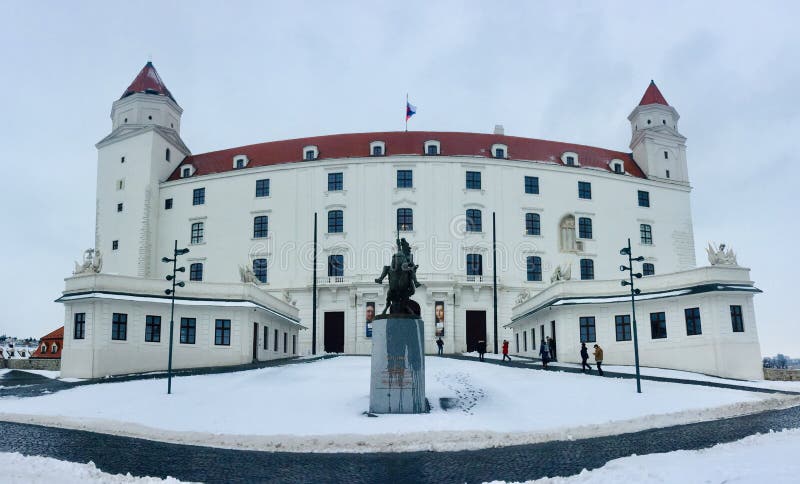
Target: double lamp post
x,y
171,292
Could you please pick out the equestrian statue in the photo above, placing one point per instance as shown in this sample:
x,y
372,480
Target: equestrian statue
x,y
402,280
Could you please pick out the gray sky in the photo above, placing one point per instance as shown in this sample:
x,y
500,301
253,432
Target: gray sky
x,y
247,72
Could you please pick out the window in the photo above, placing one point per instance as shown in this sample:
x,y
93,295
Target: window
x,y
693,326
222,332
197,233
570,160
335,221
119,326
405,219
623,325
658,325
122,160
533,338
618,168
310,153
335,182
377,150
404,179
667,173
120,184
168,204
737,322
644,198
474,265
239,163
262,187
285,345
199,196
114,244
294,344
266,337
188,330
152,329
666,155
533,224
336,265
80,326
516,342
587,269
587,329
54,348
275,341
260,270
534,265
260,226
646,233
431,149
524,341
648,269
585,190
532,184
166,154
499,153
119,207
196,271
474,223
585,228
473,180
186,173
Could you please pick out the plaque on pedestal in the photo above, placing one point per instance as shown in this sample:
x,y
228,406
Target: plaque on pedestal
x,y
398,365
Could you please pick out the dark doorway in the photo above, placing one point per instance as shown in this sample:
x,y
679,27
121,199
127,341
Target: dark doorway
x,y
334,332
476,329
553,352
255,342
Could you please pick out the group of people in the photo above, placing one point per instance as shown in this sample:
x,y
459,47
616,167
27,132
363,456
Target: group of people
x,y
547,352
598,358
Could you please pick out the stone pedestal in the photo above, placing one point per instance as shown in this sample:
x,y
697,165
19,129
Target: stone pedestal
x,y
398,365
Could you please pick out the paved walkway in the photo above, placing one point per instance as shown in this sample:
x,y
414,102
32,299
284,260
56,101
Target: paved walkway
x,y
517,463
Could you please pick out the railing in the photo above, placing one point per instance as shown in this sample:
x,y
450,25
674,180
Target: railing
x,y
332,280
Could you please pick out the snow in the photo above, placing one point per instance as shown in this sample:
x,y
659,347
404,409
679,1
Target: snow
x,y
35,470
319,406
757,458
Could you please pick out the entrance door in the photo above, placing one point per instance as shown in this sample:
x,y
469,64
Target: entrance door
x,y
553,352
255,342
334,332
476,329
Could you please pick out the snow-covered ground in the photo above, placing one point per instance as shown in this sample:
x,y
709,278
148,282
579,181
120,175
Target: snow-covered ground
x,y
791,386
755,459
318,406
44,470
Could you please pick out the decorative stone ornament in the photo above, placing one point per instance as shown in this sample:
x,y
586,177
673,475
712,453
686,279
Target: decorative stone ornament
x,y
92,263
721,256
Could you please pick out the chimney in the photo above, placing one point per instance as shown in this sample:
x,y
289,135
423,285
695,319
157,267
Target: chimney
x,y
498,129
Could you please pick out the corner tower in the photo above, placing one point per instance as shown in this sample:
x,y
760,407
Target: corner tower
x,y
142,150
658,148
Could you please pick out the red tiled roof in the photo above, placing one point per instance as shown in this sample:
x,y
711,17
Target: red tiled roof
x,y
653,96
149,82
56,337
405,143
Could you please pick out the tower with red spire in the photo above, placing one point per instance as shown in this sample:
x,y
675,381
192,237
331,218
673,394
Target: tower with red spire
x,y
658,148
142,150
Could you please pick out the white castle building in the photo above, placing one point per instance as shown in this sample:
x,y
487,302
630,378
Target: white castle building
x,y
559,213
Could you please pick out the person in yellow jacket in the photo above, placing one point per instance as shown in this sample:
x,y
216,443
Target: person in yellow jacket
x,y
598,357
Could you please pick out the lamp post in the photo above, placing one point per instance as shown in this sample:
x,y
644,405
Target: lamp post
x,y
634,292
175,283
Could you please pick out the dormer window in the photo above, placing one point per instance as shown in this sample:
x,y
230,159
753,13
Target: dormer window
x,y
617,166
187,171
240,161
377,148
310,153
433,147
500,151
570,158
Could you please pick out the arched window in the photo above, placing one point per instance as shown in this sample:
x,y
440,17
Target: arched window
x,y
54,348
533,224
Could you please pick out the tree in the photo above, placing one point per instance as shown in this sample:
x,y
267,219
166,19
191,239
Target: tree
x,y
780,361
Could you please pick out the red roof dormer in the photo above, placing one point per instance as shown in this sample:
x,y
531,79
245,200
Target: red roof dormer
x,y
653,96
49,342
149,82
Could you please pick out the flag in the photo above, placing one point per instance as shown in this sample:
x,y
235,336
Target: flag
x,y
410,110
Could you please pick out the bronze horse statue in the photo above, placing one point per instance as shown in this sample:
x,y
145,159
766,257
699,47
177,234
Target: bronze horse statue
x,y
402,280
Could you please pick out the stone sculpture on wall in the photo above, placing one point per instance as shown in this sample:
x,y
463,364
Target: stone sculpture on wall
x,y
721,256
562,273
92,263
567,239
247,275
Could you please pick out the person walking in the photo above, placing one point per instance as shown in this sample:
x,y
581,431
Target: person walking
x,y
585,358
598,357
544,353
440,344
505,350
481,349
552,344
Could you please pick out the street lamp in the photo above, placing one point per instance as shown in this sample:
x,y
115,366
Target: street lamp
x,y
634,292
171,292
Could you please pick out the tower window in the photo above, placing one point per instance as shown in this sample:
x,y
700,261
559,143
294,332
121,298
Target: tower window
x,y
168,204
664,122
150,118
666,155
114,244
736,319
122,160
405,219
667,173
166,155
648,121
119,207
121,184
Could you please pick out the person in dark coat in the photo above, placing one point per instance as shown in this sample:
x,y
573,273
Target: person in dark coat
x,y
585,358
481,349
505,350
544,353
440,344
552,343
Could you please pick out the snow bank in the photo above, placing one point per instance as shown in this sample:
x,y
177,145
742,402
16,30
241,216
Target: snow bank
x,y
319,407
758,458
35,470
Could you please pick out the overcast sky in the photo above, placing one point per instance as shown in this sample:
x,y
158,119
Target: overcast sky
x,y
247,72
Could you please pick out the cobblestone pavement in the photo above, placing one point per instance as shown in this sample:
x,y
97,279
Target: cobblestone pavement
x,y
517,463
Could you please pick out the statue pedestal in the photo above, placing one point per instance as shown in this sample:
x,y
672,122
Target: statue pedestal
x,y
398,365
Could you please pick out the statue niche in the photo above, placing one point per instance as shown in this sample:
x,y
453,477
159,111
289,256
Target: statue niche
x,y
567,241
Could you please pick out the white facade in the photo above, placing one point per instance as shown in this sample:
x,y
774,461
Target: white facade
x,y
221,196
98,347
